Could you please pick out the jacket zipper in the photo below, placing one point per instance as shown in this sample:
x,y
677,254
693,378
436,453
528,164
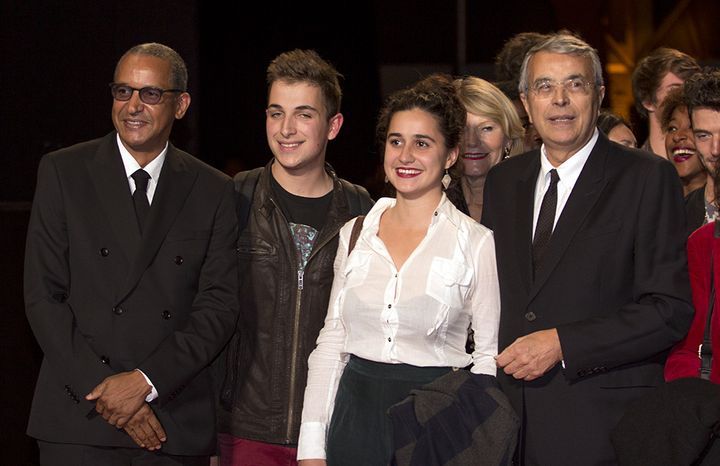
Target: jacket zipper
x,y
293,357
296,332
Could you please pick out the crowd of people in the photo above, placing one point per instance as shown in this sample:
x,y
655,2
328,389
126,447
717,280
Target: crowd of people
x,y
534,275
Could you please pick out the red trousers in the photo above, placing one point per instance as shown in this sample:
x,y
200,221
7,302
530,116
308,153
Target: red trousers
x,y
236,451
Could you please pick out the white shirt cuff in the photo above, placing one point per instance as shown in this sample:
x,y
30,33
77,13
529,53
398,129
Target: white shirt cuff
x,y
153,393
311,441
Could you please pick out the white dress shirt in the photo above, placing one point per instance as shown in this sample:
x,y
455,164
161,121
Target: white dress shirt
x,y
417,315
568,171
153,169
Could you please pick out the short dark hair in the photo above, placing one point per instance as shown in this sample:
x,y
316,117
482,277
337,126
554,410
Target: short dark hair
x,y
651,70
674,100
435,95
703,90
509,60
178,70
307,66
509,88
607,120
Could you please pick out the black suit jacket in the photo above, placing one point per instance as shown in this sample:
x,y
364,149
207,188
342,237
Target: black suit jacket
x,y
102,299
613,282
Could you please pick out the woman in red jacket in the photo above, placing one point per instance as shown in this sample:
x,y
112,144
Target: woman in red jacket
x,y
703,254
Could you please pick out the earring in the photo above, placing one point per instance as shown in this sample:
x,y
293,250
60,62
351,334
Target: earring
x,y
386,179
446,179
507,152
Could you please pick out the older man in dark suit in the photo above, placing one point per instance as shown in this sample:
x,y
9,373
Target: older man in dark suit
x,y
130,283
591,259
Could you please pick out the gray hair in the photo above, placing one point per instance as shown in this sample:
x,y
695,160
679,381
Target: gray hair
x,y
178,70
566,44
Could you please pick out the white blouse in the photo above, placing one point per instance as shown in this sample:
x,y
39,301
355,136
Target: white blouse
x,y
417,315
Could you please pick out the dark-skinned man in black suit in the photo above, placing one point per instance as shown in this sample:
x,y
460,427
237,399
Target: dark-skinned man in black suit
x,y
130,282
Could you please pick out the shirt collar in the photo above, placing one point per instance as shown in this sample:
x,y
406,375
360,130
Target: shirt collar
x,y
445,209
131,166
569,170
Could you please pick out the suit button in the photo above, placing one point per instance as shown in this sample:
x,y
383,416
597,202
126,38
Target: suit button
x,y
166,314
104,252
104,360
118,310
179,260
530,316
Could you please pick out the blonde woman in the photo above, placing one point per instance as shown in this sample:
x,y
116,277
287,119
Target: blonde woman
x,y
493,131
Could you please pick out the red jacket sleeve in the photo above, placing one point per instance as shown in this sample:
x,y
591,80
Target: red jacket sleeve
x,y
683,360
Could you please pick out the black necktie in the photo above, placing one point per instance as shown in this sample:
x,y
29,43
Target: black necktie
x,y
546,219
142,206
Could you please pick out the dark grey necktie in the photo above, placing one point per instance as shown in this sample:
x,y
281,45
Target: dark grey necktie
x,y
545,222
142,206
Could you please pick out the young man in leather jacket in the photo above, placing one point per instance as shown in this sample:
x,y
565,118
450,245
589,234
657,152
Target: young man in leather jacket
x,y
290,214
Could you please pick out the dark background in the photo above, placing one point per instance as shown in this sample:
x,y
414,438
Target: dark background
x,y
56,58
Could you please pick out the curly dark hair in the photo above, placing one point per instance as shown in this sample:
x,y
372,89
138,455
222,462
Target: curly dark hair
x,y
674,100
307,66
650,71
435,95
703,90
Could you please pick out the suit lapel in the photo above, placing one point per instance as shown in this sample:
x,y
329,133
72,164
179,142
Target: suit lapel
x,y
583,197
525,199
176,182
108,176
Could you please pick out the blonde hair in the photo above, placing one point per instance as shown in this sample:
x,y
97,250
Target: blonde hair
x,y
482,98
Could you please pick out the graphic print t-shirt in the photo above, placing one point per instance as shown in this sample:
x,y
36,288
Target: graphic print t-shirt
x,y
306,217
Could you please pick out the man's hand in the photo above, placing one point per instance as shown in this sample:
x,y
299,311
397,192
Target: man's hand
x,y
529,357
120,396
145,429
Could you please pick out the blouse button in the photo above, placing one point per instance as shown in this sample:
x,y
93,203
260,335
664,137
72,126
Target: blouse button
x,y
389,339
435,213
389,306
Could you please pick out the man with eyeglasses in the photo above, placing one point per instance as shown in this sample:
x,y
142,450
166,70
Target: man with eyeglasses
x,y
130,282
590,245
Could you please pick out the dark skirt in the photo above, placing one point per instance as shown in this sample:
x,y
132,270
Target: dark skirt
x,y
360,432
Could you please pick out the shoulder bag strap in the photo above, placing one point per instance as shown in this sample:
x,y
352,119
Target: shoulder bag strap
x,y
355,233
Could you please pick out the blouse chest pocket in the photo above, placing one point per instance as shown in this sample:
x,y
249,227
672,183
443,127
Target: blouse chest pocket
x,y
356,268
448,282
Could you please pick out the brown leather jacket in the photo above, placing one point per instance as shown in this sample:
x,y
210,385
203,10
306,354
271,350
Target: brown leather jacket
x,y
282,313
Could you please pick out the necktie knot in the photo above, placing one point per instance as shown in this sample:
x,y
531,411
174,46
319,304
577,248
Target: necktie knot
x,y
141,178
554,177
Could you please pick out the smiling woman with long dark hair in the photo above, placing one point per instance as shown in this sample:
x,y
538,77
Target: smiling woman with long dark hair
x,y
419,275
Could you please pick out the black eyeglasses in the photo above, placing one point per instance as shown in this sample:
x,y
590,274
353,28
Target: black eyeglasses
x,y
149,95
